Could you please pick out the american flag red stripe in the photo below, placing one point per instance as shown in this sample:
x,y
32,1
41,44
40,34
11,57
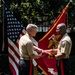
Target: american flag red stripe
x,y
12,49
10,55
14,55
13,70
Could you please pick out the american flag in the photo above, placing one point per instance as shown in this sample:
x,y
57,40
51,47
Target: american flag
x,y
14,31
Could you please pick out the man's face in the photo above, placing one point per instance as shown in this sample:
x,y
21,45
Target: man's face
x,y
33,32
60,30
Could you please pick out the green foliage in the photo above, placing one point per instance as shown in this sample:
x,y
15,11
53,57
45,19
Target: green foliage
x,y
31,9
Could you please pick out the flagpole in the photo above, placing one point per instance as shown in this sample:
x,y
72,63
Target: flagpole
x,y
3,29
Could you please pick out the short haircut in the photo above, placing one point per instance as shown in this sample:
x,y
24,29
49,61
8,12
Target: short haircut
x,y
29,26
61,25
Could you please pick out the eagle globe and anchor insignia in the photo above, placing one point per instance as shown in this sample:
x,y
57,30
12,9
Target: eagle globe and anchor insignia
x,y
53,43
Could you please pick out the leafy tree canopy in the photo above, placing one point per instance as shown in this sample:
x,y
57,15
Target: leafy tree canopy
x,y
33,10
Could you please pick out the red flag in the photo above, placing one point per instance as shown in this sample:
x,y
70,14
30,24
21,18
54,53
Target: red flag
x,y
50,40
